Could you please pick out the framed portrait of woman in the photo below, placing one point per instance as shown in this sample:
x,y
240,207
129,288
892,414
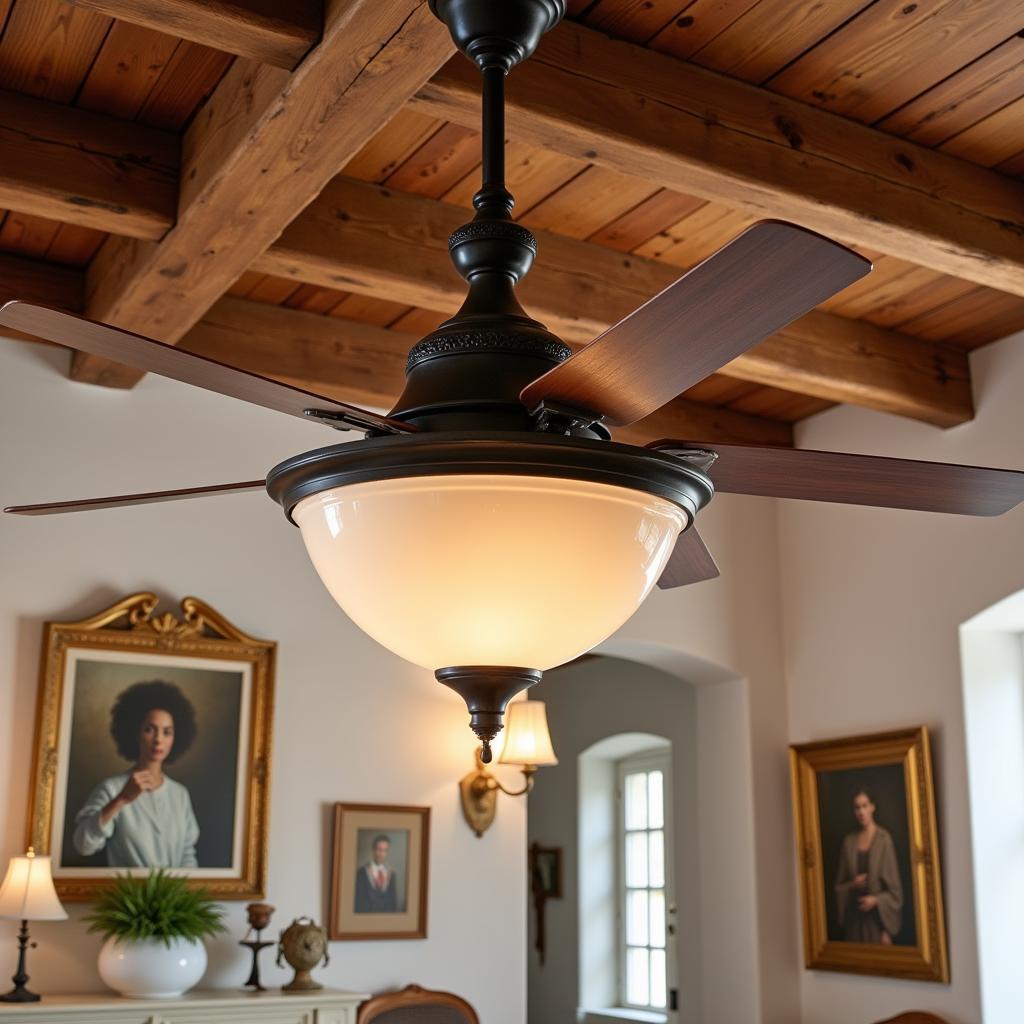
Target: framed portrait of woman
x,y
153,749
867,845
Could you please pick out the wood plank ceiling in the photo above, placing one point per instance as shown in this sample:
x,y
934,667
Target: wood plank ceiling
x,y
125,141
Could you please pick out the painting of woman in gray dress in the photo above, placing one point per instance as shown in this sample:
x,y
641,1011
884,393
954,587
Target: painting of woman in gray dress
x,y
869,890
865,844
152,766
142,817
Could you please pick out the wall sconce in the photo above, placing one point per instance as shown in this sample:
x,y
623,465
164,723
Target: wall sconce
x,y
527,744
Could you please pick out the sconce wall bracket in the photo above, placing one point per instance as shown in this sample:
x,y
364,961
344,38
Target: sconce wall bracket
x,y
479,793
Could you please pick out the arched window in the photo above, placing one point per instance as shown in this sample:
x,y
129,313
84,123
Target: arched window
x,y
644,878
628,960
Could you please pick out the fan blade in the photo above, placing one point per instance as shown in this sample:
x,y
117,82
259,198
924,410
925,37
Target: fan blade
x,y
690,562
762,280
155,357
53,508
858,479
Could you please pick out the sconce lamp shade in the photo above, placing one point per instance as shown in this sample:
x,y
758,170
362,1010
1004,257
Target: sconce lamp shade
x,y
527,739
28,893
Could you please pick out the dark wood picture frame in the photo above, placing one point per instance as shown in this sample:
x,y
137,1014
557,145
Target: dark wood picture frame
x,y
411,923
537,886
924,959
541,893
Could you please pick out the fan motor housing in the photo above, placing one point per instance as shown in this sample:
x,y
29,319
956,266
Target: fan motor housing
x,y
445,453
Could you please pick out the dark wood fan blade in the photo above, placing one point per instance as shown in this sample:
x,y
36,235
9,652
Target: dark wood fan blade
x,y
53,508
858,479
155,357
761,281
690,562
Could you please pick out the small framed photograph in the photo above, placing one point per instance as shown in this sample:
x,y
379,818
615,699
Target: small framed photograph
x,y
379,880
153,749
868,849
546,871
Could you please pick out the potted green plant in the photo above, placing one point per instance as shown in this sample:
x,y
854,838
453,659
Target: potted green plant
x,y
154,927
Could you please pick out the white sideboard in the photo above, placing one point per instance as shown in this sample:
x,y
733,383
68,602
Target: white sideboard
x,y
327,1006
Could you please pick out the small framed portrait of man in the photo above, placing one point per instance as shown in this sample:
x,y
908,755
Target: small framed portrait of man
x,y
380,872
152,746
868,848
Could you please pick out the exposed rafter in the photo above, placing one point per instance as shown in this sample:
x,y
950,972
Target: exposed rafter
x,y
368,239
83,168
702,133
35,281
263,147
361,363
265,30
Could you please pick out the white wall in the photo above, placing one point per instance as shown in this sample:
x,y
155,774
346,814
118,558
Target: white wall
x,y
708,728
588,702
873,601
352,722
729,631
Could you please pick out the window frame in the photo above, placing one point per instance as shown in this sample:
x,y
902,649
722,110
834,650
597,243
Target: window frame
x,y
654,759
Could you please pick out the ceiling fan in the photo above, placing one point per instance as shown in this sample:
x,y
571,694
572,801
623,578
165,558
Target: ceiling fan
x,y
488,527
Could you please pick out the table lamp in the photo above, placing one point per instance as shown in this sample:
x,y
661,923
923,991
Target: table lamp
x,y
28,895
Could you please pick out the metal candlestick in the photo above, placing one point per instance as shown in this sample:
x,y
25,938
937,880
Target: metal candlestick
x,y
259,918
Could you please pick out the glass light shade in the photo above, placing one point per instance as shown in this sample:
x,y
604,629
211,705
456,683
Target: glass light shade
x,y
488,569
28,893
527,739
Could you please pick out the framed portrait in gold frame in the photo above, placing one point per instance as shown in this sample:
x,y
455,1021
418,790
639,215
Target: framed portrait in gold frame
x,y
152,749
867,846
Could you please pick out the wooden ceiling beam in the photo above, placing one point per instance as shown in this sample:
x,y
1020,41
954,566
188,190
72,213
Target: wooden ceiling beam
x,y
699,132
82,168
372,240
262,147
46,283
361,363
35,281
265,30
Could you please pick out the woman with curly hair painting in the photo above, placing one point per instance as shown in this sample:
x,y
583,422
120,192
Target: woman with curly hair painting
x,y
869,890
142,817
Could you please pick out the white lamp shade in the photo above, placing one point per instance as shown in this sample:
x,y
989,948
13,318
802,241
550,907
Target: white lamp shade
x,y
527,739
28,893
486,569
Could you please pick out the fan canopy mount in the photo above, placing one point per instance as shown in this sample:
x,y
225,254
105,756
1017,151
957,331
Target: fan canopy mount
x,y
499,33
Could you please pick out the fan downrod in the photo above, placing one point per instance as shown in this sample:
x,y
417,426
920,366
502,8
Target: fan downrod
x,y
469,372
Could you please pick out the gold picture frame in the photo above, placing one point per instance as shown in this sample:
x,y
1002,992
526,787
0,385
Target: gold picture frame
x,y
83,663
867,846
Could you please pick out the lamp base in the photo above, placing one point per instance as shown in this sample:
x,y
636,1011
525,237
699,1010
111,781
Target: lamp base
x,y
20,994
487,689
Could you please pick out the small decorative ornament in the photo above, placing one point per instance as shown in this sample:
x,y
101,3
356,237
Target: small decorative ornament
x,y
303,944
259,918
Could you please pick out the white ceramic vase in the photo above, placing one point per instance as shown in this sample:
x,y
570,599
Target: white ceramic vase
x,y
147,968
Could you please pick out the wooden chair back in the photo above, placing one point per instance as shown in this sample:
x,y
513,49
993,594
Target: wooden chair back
x,y
914,1017
415,1005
